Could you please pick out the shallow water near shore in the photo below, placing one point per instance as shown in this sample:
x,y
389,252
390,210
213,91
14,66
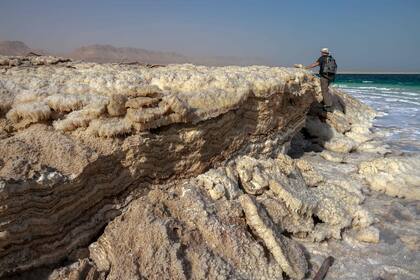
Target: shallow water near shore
x,y
397,99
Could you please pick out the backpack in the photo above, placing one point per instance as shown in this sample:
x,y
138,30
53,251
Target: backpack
x,y
330,66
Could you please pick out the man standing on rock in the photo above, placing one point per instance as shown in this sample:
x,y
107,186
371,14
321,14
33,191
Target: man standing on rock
x,y
327,71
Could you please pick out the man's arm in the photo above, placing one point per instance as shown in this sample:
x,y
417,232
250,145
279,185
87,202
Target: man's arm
x,y
315,64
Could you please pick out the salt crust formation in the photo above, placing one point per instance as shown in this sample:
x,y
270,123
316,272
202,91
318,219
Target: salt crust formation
x,y
112,100
396,176
185,168
77,139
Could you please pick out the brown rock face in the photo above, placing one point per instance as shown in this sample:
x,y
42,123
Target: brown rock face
x,y
79,146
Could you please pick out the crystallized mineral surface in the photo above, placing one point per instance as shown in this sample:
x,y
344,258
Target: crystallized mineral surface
x,y
396,176
79,141
112,171
111,99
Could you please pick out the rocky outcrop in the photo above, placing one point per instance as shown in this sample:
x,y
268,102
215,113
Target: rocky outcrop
x,y
80,141
212,227
181,172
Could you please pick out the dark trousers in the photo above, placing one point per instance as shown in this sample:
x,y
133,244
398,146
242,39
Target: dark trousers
x,y
327,99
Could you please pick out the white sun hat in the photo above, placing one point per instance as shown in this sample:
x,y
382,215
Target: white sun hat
x,y
325,50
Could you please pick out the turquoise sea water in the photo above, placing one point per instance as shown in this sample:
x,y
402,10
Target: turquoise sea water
x,y
396,97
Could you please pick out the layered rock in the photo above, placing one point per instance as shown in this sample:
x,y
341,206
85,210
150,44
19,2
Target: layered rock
x,y
179,172
80,141
212,226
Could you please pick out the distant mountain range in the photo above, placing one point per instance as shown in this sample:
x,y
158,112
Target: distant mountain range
x,y
17,48
108,53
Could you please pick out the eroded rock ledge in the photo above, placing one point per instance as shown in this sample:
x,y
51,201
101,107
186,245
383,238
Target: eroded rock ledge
x,y
79,140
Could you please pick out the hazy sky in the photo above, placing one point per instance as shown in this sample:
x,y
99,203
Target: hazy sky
x,y
363,35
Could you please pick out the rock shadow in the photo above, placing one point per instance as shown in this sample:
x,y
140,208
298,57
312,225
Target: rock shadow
x,y
318,128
